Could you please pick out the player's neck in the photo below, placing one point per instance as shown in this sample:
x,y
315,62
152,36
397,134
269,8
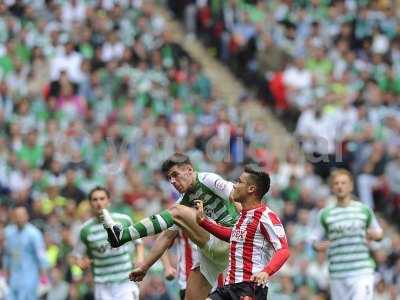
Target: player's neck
x,y
251,204
344,201
194,182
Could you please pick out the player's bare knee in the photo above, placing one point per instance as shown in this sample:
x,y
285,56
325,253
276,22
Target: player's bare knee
x,y
176,211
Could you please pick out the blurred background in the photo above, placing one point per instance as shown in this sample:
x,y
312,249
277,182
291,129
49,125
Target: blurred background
x,y
101,92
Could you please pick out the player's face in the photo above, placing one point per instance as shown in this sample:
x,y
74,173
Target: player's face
x,y
99,201
241,189
181,177
342,186
21,216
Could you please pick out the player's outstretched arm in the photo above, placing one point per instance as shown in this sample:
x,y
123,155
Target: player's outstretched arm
x,y
374,230
221,232
139,254
163,242
169,270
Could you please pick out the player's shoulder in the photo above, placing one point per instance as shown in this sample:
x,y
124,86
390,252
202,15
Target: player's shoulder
x,y
88,223
205,176
32,228
84,229
212,180
329,208
360,206
10,229
327,211
268,215
121,217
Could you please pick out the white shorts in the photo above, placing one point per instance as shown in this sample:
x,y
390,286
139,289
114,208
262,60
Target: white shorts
x,y
353,288
213,259
126,290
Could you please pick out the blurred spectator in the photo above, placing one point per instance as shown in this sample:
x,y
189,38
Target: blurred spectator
x,y
60,288
24,259
70,190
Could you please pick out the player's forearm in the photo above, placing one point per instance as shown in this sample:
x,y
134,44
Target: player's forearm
x,y
165,260
163,242
277,261
221,232
140,253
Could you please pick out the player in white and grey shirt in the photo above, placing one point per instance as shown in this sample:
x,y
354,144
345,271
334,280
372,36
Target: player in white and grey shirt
x,y
344,230
110,266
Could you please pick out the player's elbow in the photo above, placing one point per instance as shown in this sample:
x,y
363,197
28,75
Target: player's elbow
x,y
285,254
288,254
377,235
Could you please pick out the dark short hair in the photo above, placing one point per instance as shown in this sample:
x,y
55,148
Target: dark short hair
x,y
259,178
177,159
96,189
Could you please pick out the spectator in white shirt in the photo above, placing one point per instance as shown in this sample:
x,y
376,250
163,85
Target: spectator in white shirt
x,y
113,48
69,60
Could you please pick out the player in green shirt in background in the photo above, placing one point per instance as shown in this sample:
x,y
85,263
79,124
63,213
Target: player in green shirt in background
x,y
110,266
212,252
347,226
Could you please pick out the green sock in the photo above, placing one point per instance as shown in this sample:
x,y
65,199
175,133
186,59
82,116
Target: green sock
x,y
148,226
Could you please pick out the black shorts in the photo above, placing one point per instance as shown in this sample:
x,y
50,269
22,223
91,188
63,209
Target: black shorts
x,y
182,294
240,291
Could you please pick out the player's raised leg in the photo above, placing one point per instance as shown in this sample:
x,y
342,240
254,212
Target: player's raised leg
x,y
181,215
119,235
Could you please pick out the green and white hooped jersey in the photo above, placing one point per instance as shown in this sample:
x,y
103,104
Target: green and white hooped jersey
x,y
346,229
215,192
108,264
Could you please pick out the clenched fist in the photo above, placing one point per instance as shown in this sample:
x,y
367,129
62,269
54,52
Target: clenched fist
x,y
199,211
137,274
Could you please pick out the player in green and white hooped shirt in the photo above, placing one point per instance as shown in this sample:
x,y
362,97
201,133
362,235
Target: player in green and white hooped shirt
x,y
213,254
347,225
110,266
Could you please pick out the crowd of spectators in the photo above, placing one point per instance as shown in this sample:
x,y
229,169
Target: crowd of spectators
x,y
99,93
330,70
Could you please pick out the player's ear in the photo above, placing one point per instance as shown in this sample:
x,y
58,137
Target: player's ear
x,y
189,168
251,189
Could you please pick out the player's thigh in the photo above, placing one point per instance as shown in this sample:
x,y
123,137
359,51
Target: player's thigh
x,y
362,288
339,289
102,292
185,217
125,291
197,286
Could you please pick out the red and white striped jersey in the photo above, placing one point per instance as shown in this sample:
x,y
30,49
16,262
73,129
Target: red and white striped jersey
x,y
256,236
186,252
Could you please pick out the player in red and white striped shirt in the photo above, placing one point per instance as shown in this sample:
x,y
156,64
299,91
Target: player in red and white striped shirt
x,y
258,245
187,257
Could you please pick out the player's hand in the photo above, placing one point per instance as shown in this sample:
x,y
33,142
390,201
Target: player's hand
x,y
199,211
169,273
322,245
84,263
260,278
137,274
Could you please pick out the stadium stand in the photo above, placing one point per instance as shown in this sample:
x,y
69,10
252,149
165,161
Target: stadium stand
x,y
97,92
